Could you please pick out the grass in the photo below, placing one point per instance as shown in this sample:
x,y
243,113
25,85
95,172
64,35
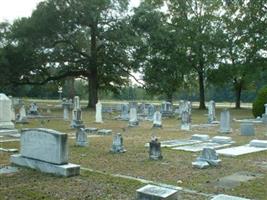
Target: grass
x,y
175,168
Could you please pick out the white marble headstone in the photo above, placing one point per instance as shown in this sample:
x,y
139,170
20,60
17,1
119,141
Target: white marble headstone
x,y
5,112
98,115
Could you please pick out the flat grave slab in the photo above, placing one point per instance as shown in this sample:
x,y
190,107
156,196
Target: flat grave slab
x,y
153,192
104,132
201,146
234,180
227,197
9,150
8,170
254,146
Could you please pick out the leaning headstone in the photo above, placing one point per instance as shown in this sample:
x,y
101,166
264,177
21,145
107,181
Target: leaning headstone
x,y
208,157
117,144
247,129
225,125
211,112
264,116
133,121
98,115
157,120
155,149
22,117
45,150
153,192
33,110
5,112
185,121
81,137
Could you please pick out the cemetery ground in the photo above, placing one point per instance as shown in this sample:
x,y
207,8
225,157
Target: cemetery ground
x,y
100,169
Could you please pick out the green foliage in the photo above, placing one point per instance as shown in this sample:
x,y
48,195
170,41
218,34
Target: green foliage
x,y
258,105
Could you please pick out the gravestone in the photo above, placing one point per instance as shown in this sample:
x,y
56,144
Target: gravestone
x,y
247,129
117,144
5,112
33,110
124,112
81,137
13,114
98,115
208,157
66,107
155,149
77,114
22,117
211,112
166,109
153,192
227,197
133,121
157,120
264,116
185,121
225,122
150,112
45,150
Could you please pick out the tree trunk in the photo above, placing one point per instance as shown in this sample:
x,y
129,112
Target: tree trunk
x,y
201,90
238,91
92,89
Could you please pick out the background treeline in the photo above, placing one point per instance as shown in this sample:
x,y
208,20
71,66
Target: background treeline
x,y
193,49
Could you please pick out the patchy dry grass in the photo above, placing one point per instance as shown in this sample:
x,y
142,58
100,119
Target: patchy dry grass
x,y
175,168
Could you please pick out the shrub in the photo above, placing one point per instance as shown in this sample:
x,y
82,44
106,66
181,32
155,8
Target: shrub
x,y
258,105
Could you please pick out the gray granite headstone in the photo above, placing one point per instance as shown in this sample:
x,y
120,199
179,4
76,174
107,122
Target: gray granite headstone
x,y
225,122
45,150
157,120
124,112
155,149
33,110
151,111
247,129
211,112
117,144
81,137
153,192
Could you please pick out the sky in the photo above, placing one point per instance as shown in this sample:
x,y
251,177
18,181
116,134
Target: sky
x,y
13,9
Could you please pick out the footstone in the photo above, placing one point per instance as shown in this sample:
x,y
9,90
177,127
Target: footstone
x,y
247,129
104,132
8,170
66,170
152,192
227,197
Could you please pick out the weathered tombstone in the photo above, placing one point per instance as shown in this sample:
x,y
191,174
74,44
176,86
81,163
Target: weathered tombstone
x,y
124,112
185,121
45,150
264,116
77,114
166,109
5,112
153,192
150,112
33,110
66,107
211,112
247,129
133,121
22,118
181,107
208,157
155,149
13,114
98,115
117,144
157,120
225,125
81,137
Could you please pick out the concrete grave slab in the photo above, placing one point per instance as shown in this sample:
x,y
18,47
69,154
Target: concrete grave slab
x,y
153,192
8,170
227,197
254,146
236,179
201,146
